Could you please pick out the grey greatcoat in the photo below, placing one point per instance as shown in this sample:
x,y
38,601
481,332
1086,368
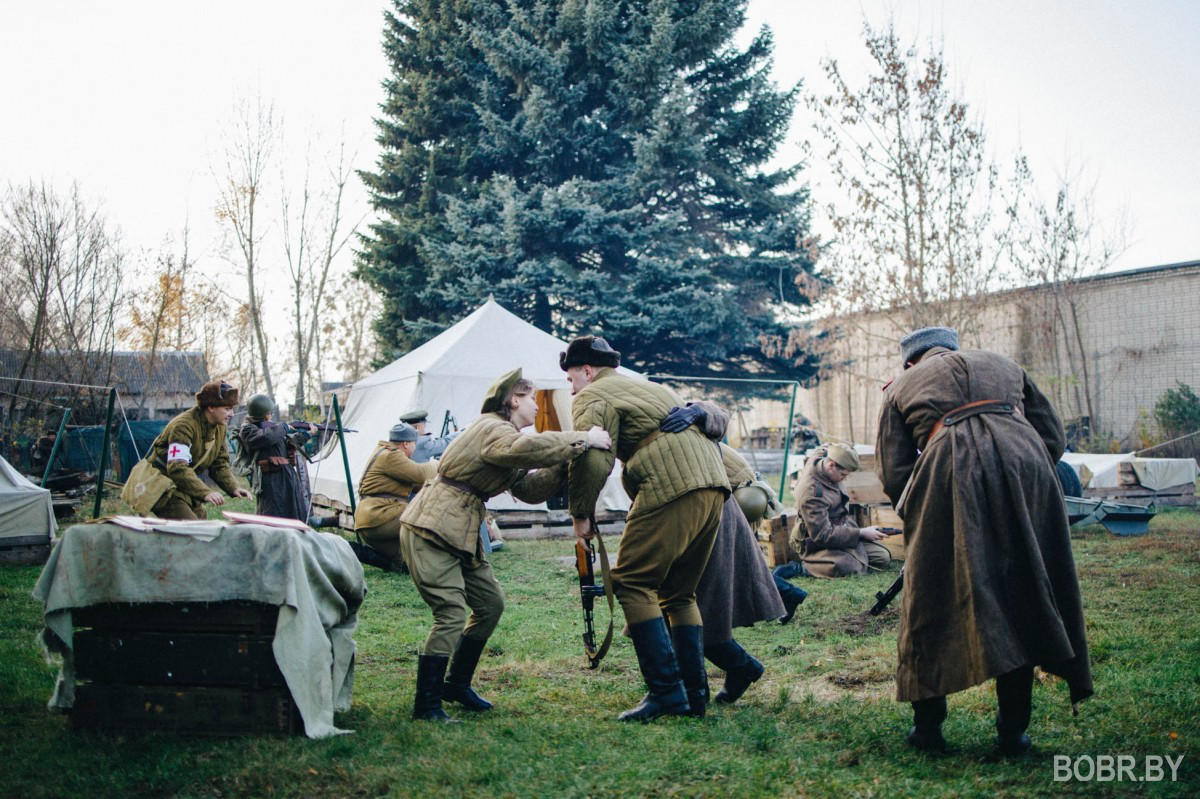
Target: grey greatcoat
x,y
990,583
277,485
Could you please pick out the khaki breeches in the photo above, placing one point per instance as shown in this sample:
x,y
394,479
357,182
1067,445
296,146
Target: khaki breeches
x,y
175,505
662,555
384,539
450,584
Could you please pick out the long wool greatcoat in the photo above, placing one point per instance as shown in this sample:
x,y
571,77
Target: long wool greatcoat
x,y
278,491
990,582
736,589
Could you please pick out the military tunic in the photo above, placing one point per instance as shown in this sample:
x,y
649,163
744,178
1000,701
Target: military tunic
x,y
825,533
388,483
439,532
277,487
990,582
678,485
188,446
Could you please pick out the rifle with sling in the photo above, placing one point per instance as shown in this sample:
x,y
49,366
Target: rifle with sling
x,y
589,591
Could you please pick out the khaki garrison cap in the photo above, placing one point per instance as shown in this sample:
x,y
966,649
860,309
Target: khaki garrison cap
x,y
494,399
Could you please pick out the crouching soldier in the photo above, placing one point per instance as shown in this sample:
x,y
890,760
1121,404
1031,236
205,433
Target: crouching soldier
x,y
439,534
166,483
388,484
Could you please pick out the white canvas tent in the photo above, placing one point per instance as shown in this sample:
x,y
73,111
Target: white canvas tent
x,y
25,509
452,372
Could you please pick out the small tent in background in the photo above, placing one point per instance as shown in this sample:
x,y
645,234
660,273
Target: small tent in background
x,y
26,518
452,372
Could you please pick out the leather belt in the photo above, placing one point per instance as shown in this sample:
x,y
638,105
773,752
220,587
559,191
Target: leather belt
x,y
967,411
402,497
463,487
645,441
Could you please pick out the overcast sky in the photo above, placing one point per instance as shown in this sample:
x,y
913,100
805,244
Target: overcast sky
x,y
128,98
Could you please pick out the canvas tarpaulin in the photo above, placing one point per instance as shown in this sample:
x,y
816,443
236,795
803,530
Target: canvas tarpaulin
x,y
314,579
25,509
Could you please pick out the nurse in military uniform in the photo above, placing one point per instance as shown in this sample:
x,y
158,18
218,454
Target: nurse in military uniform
x,y
192,443
439,534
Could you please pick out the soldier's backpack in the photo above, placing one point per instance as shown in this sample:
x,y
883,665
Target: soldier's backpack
x,y
243,461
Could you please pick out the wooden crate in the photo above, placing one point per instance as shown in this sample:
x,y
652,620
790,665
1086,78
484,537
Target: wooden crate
x,y
779,551
199,668
1183,495
193,710
25,550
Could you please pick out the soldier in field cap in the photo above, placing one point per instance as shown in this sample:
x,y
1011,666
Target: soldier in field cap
x,y
427,447
390,481
439,534
678,485
192,443
966,450
830,542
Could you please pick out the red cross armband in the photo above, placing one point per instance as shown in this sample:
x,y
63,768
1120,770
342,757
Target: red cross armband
x,y
179,452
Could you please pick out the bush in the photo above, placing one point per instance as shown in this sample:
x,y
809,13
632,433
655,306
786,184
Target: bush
x,y
1178,411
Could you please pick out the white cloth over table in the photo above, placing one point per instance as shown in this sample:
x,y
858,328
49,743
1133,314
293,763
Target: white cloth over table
x,y
314,579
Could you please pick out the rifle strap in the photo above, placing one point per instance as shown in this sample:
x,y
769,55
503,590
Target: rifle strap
x,y
606,577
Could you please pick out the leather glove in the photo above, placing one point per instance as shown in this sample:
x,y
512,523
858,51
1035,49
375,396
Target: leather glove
x,y
679,419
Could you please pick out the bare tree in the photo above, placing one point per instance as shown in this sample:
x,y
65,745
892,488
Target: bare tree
x,y
63,269
1059,244
922,230
314,234
350,328
249,148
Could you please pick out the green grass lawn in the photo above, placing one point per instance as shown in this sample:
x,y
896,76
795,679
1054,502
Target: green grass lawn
x,y
822,721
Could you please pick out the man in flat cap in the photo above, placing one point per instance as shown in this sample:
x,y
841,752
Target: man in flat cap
x,y
679,487
829,541
427,447
389,482
966,450
191,443
439,534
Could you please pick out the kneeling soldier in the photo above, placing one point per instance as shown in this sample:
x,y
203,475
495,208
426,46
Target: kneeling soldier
x,y
388,484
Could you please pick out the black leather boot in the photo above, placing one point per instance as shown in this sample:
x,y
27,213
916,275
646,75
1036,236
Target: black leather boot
x,y
462,669
1014,697
926,734
427,704
741,669
689,650
792,598
656,659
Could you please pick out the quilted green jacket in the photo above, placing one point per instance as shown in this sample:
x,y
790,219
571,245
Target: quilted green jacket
x,y
667,467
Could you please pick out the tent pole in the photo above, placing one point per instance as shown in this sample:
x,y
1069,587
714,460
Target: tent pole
x,y
337,415
787,441
62,428
112,400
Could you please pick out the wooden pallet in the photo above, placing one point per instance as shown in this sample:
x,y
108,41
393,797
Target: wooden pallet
x,y
1175,496
25,550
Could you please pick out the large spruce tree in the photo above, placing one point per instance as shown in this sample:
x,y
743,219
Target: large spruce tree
x,y
597,166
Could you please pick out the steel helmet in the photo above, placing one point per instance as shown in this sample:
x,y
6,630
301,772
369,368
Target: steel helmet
x,y
753,502
260,406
